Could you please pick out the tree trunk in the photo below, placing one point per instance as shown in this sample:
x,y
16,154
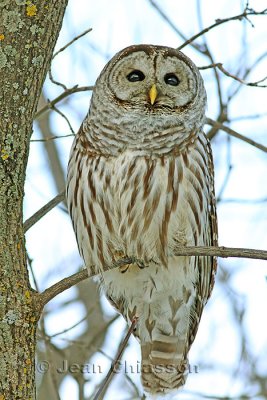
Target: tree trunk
x,y
28,33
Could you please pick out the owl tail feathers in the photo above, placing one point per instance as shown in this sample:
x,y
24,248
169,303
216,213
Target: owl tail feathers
x,y
164,369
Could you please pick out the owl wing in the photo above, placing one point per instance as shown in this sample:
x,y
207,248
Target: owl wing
x,y
206,265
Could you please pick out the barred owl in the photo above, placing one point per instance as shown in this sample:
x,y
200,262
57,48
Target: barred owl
x,y
140,184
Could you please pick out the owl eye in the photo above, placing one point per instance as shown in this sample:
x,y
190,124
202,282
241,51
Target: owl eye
x,y
171,79
135,76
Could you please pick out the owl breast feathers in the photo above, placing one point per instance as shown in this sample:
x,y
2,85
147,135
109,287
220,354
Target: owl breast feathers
x,y
140,184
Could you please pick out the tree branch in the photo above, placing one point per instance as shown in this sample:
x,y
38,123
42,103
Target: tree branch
x,y
54,108
59,287
113,368
218,22
71,42
237,135
171,24
66,93
50,138
44,210
223,252
236,78
61,50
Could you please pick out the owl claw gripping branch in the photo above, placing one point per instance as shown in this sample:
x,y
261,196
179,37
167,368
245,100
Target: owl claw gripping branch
x,y
140,182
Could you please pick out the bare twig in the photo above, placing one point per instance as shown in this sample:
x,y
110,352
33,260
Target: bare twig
x,y
209,66
229,169
54,81
59,51
244,201
171,24
112,370
237,135
224,252
236,78
66,93
44,210
72,41
222,69
51,138
246,73
208,53
219,22
64,117
250,116
71,327
166,19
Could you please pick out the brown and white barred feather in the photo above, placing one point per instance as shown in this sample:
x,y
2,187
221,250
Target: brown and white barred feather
x,y
144,202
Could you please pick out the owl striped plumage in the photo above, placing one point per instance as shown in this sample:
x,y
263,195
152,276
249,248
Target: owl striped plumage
x,y
140,184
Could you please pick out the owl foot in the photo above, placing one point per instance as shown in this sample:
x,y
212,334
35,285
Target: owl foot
x,y
118,256
134,322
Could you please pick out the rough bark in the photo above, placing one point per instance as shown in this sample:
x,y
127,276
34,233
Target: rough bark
x,y
28,32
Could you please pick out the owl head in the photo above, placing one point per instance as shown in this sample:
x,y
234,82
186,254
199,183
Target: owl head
x,y
147,88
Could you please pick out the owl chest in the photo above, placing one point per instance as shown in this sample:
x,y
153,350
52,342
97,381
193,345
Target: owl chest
x,y
140,207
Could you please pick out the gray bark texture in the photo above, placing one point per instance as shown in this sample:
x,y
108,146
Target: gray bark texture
x,y
28,33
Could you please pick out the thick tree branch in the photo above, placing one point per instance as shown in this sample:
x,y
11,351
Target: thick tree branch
x,y
59,287
223,252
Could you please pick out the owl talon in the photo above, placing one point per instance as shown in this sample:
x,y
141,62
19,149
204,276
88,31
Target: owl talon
x,y
134,323
124,268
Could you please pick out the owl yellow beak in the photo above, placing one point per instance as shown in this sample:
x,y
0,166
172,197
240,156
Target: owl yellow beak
x,y
153,94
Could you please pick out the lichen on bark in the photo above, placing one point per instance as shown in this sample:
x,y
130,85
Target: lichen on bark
x,y
28,37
